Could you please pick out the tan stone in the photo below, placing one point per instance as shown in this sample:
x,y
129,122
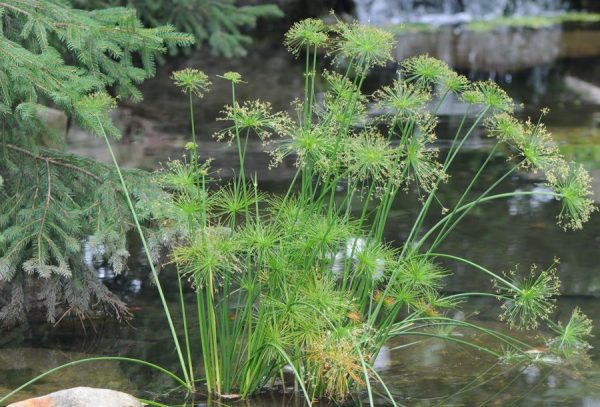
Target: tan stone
x,y
81,397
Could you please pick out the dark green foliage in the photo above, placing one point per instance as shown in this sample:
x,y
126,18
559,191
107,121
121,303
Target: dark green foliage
x,y
50,52
50,202
219,23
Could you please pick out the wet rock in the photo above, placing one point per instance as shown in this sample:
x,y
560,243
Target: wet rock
x,y
81,397
586,90
18,365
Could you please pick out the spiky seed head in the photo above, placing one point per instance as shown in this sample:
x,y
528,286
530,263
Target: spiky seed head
x,y
343,104
421,274
488,93
504,127
424,70
450,81
355,316
573,184
538,149
370,156
363,43
98,102
372,260
92,112
177,175
191,81
334,362
312,146
420,158
233,77
402,99
306,33
532,141
529,298
253,115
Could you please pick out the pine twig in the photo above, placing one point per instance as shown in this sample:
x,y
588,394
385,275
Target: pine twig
x,y
53,161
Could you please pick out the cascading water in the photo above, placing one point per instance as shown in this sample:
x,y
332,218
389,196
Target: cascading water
x,y
443,12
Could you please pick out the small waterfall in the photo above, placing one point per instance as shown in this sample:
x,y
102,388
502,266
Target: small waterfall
x,y
444,12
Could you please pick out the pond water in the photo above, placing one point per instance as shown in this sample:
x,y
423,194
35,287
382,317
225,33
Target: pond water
x,y
556,67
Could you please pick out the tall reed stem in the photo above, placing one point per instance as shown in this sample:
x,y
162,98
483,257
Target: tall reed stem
x,y
138,227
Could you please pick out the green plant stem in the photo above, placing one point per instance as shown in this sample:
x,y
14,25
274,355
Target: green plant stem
x,y
299,379
312,85
185,332
442,235
441,321
306,120
237,139
451,339
479,200
150,261
366,374
449,159
382,383
374,315
204,341
94,359
192,121
466,191
475,265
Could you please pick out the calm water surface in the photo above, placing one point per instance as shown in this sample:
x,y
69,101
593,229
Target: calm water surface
x,y
559,68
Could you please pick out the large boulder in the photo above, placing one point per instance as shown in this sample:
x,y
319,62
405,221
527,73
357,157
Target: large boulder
x,y
81,397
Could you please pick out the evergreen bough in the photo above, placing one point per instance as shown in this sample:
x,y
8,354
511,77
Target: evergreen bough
x,y
218,23
52,204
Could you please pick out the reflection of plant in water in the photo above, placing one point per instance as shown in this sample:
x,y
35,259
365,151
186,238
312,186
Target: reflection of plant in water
x,y
572,337
305,281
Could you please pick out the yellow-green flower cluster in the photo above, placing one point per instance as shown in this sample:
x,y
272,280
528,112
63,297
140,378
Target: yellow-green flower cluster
x,y
369,156
306,34
233,77
529,298
573,185
537,152
364,44
420,158
343,105
256,116
402,99
424,70
191,81
488,94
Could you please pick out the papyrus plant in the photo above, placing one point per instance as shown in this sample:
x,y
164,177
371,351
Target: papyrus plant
x,y
305,279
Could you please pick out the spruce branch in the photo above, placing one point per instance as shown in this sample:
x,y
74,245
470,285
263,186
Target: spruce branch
x,y
51,202
54,162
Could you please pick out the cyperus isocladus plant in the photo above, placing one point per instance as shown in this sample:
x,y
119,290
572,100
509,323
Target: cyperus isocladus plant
x,y
318,251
